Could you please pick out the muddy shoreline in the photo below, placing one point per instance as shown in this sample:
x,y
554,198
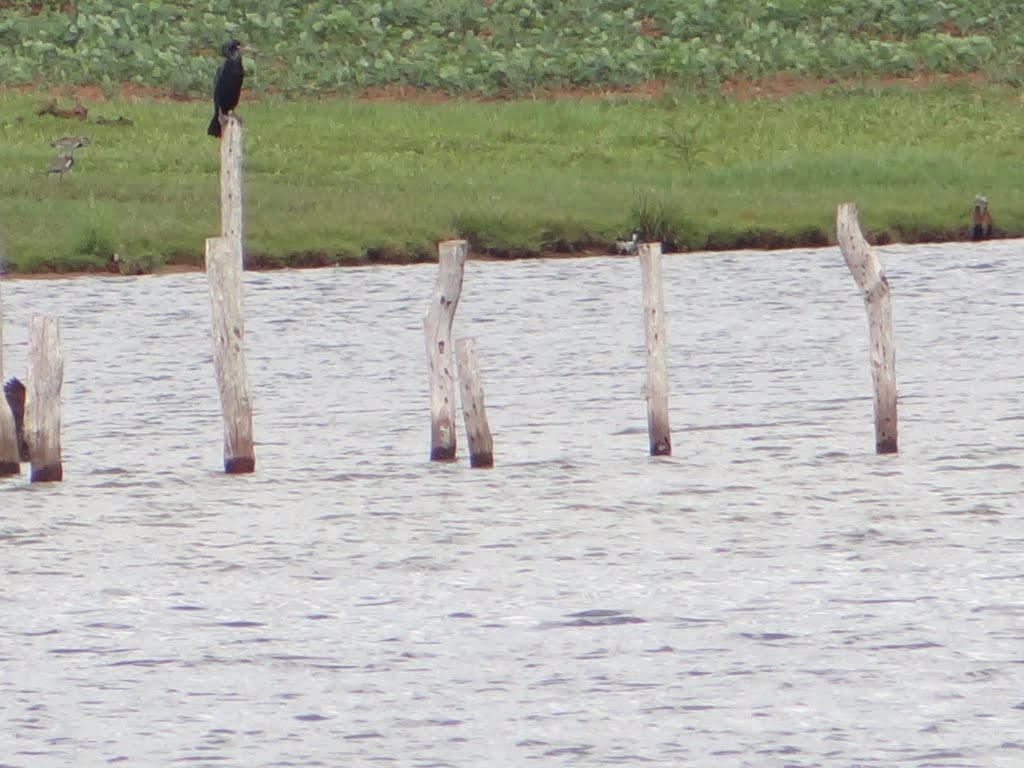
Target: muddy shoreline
x,y
755,241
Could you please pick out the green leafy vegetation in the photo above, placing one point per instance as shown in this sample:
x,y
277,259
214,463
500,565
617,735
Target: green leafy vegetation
x,y
502,46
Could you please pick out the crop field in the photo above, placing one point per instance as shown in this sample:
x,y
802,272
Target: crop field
x,y
374,129
503,46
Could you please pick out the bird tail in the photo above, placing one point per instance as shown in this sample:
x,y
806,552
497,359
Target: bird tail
x,y
214,129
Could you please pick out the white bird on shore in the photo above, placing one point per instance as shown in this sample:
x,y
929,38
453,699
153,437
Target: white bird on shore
x,y
627,247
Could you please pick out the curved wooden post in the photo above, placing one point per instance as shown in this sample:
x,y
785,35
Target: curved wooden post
x,y
657,360
437,326
867,272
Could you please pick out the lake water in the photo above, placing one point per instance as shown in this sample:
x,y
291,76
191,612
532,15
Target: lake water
x,y
775,594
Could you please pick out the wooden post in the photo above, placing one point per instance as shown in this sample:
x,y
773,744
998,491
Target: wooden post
x,y
478,433
231,178
42,402
224,273
871,280
9,460
657,361
437,325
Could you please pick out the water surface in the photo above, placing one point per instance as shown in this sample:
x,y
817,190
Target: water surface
x,y
773,595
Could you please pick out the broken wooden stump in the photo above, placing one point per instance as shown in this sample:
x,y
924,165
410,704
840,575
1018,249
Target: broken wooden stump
x,y
9,459
437,326
867,272
474,415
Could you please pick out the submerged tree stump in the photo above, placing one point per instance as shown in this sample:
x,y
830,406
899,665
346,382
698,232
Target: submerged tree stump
x,y
474,415
437,326
42,402
224,257
658,431
870,278
10,463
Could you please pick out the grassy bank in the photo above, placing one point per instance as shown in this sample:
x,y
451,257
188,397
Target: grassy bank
x,y
347,179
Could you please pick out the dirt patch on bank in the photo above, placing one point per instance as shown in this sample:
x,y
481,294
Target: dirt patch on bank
x,y
779,86
748,240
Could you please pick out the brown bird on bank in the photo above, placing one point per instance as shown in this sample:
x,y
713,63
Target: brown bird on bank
x,y
70,143
982,221
227,84
62,165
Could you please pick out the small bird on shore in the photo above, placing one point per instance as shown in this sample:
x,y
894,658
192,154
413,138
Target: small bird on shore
x,y
70,143
227,84
627,247
62,165
14,392
982,220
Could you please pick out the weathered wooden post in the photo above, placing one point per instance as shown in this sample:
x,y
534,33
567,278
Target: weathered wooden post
x,y
9,460
871,280
437,326
42,403
657,360
478,433
224,273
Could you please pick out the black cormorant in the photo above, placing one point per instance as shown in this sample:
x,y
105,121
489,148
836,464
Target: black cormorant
x,y
227,84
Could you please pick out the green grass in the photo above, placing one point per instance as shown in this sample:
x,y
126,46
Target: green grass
x,y
342,179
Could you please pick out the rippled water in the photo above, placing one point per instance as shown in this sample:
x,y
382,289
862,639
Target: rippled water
x,y
773,595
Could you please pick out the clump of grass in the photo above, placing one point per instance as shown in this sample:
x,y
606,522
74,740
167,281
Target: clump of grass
x,y
660,222
141,259
652,221
93,247
94,242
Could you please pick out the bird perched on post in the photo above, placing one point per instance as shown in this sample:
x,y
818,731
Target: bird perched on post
x,y
62,165
982,229
227,84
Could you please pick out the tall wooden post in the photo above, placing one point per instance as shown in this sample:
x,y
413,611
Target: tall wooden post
x,y
870,278
224,273
474,415
231,178
437,326
9,461
42,402
657,360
